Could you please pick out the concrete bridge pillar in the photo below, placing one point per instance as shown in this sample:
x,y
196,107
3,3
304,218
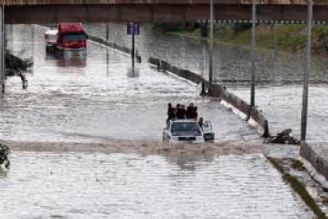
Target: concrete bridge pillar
x,y
2,50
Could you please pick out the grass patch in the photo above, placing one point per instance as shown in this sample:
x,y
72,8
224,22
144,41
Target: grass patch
x,y
297,165
298,187
287,37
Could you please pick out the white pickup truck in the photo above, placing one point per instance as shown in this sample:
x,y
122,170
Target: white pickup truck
x,y
185,130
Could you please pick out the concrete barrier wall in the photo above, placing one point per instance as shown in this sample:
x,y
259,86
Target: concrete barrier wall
x,y
112,45
216,90
186,74
317,156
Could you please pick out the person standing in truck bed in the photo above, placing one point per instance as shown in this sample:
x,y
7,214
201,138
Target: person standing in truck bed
x,y
190,111
180,112
170,112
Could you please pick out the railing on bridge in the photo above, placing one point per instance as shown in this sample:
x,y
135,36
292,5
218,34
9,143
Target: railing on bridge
x,y
51,11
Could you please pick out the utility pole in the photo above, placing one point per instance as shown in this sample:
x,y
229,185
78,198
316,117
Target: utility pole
x,y
133,29
33,41
107,52
204,37
133,54
107,31
2,50
307,70
253,53
210,75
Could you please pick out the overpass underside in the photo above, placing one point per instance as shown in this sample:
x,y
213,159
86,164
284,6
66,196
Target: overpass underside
x,y
97,13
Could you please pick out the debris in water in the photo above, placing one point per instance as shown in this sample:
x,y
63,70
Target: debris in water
x,y
283,138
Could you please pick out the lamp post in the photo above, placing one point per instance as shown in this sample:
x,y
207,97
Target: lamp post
x,y
210,75
307,70
2,49
253,53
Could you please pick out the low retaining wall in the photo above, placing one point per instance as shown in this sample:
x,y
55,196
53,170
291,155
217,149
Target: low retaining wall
x,y
186,74
317,155
217,90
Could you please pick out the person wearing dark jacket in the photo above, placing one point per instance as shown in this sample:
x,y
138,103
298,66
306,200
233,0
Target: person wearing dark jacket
x,y
181,112
190,111
194,113
170,112
201,122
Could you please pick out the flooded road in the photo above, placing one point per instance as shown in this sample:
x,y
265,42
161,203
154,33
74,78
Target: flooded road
x,y
96,99
134,186
283,105
280,75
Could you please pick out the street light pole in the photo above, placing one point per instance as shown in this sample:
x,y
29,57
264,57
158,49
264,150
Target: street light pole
x,y
210,75
253,53
307,70
2,50
133,54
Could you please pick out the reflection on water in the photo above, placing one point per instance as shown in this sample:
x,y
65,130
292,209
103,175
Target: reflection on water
x,y
133,186
279,75
133,73
72,61
282,105
99,101
231,63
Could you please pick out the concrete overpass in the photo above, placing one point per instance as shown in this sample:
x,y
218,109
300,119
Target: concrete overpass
x,y
51,11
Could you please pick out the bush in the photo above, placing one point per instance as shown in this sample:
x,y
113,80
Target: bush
x,y
15,65
4,153
241,27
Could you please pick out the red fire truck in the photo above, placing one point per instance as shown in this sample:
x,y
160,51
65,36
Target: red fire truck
x,y
68,37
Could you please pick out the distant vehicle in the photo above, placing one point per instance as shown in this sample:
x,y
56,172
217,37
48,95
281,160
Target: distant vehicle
x,y
68,37
185,130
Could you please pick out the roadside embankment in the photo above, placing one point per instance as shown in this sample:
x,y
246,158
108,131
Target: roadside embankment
x,y
283,37
294,174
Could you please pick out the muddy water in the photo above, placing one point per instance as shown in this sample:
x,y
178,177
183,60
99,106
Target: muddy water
x,y
279,93
132,186
96,98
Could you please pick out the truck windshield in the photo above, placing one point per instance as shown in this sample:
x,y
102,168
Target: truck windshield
x,y
74,37
185,127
